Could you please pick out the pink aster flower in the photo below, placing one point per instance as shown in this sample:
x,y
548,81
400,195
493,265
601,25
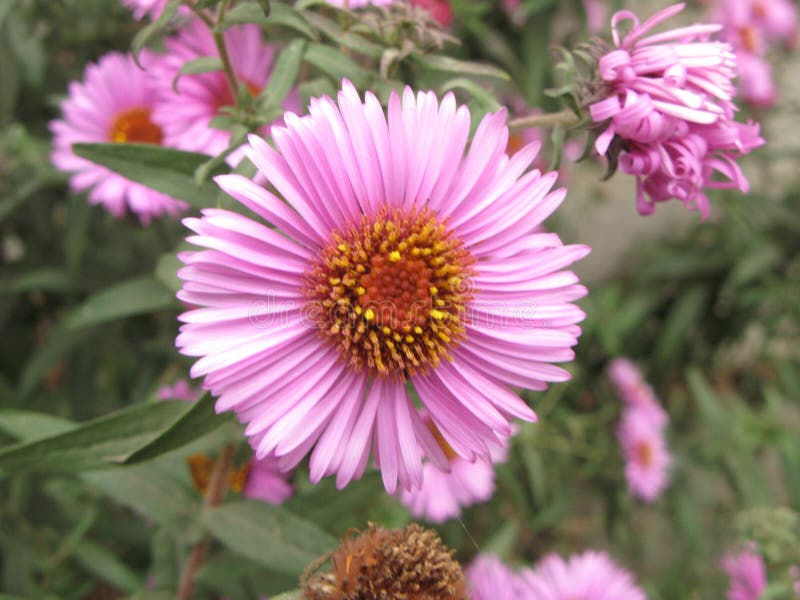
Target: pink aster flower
x,y
647,458
748,576
751,24
408,257
756,83
180,390
444,494
265,481
113,103
185,115
440,10
141,8
588,576
489,579
669,95
635,391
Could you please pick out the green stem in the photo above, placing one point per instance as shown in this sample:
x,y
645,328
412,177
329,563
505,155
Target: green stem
x,y
214,493
565,118
219,42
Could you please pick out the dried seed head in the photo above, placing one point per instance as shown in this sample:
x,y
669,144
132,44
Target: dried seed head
x,y
390,564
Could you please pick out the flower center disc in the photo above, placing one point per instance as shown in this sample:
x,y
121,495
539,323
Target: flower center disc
x,y
134,126
644,454
391,292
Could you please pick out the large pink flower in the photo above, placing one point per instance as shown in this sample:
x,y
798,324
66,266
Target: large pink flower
x,y
489,579
748,576
405,258
444,494
588,576
670,98
185,110
113,103
647,458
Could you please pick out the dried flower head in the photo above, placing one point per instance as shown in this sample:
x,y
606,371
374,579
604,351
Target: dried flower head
x,y
389,564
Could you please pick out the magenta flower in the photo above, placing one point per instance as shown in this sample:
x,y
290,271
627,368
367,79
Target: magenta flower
x,y
748,576
751,24
440,10
489,579
265,481
756,83
141,8
113,103
408,257
647,458
185,115
180,390
588,576
635,391
669,96
444,494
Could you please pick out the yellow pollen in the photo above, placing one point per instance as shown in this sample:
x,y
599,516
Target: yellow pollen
x,y
390,290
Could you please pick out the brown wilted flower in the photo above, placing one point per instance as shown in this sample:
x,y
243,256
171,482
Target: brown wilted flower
x,y
389,564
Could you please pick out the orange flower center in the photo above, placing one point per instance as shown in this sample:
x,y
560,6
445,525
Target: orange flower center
x,y
391,292
134,126
751,39
226,97
644,454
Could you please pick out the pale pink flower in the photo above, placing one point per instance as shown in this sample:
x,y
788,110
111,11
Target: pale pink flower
x,y
748,575
751,24
185,110
635,391
588,576
180,390
113,103
265,481
647,458
141,8
669,94
312,331
444,494
489,579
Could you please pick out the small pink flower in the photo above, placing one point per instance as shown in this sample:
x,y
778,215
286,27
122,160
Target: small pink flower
x,y
440,10
748,576
265,481
113,103
595,14
647,458
588,576
489,579
448,488
185,110
141,8
635,391
751,24
669,94
180,390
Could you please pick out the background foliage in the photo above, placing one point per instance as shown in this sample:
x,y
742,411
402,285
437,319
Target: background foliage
x,y
96,500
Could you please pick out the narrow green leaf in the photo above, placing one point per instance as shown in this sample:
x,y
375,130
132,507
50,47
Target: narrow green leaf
x,y
447,64
26,426
204,64
479,92
46,280
284,74
344,38
335,64
198,421
94,444
268,534
101,562
279,14
148,33
133,297
164,169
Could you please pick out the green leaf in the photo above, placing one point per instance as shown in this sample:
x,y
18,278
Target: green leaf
x,y
166,170
279,14
148,33
268,534
94,444
204,64
479,92
151,491
284,73
294,595
46,280
27,426
335,64
462,67
344,38
133,297
101,562
198,421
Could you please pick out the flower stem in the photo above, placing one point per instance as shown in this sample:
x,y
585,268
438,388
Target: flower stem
x,y
214,493
222,49
565,118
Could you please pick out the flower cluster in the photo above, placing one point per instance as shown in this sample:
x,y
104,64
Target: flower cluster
x,y
119,102
753,27
641,432
590,575
667,111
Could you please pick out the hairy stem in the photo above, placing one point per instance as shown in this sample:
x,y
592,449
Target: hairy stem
x,y
214,493
222,49
565,118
